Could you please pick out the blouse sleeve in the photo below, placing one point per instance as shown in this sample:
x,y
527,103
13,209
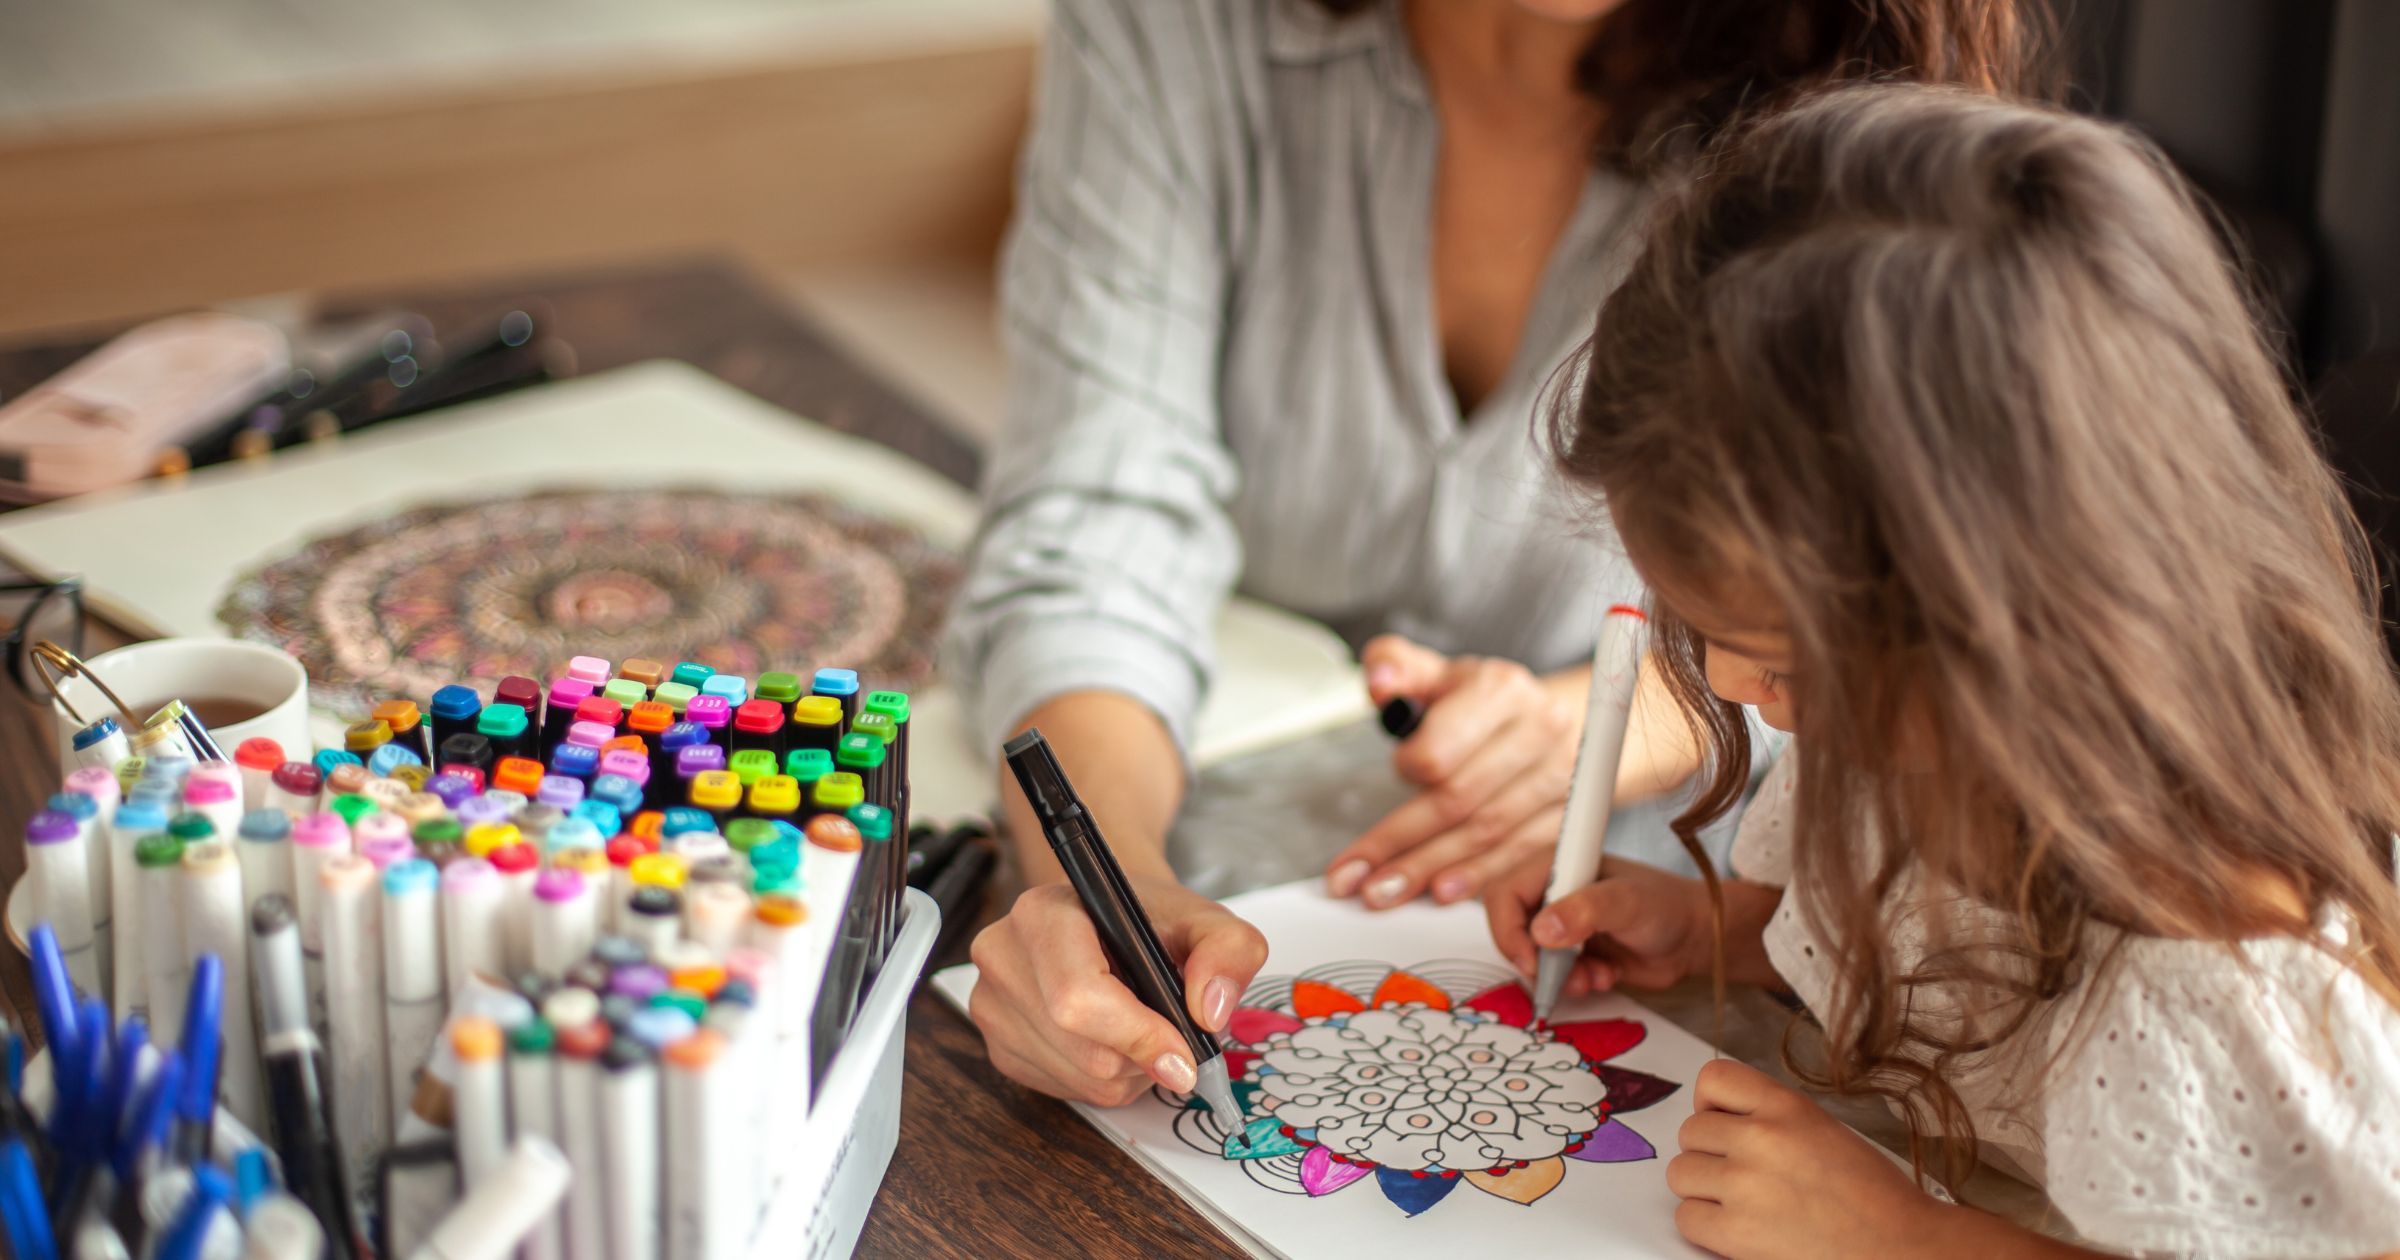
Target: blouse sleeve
x,y
1106,550
2205,1107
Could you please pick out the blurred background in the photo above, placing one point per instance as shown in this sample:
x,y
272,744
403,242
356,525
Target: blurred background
x,y
854,157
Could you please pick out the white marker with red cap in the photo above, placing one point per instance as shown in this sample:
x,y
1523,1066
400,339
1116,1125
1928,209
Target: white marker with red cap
x,y
1591,794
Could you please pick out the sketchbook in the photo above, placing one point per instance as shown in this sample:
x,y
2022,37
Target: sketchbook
x,y
1399,1099
160,559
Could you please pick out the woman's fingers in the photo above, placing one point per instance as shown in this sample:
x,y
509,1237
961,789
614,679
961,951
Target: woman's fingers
x,y
1396,666
1501,783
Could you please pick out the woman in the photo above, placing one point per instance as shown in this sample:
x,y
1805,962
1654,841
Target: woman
x,y
1286,279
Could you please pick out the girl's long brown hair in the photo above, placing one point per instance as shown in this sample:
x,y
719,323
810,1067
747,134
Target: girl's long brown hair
x,y
1674,73
2081,621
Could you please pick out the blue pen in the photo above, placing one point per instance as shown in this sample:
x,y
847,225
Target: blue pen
x,y
146,1129
184,1238
251,1180
21,1195
196,1112
124,1072
85,1139
52,991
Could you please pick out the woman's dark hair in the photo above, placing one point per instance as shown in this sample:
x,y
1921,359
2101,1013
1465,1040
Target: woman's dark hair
x,y
1675,73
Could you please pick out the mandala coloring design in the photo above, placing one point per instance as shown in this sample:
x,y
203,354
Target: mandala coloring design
x,y
1422,1078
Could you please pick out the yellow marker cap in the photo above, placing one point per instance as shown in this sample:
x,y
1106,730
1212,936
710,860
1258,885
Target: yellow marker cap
x,y
716,789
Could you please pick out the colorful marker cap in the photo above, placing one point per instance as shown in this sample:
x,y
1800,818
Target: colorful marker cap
x,y
413,773
473,1038
634,744
416,875
558,884
328,758
259,753
138,816
649,717
97,733
576,761
400,715
390,759
455,703
159,850
676,696
500,721
692,1005
533,1037
701,979
618,791
658,1027
682,818
775,883
808,764
572,833
874,822
320,831
469,872
774,794
590,734
627,764
710,712
780,911
625,692
779,687
879,725
196,791
566,693
857,752
691,674
648,673
266,826
658,870
352,807
353,777
716,790
835,682
517,774
518,690
698,759
744,834
51,826
835,833
482,839
891,704
648,825
817,711
751,764
514,859
433,831
365,737
477,810
623,850
601,710
838,791
779,856
682,735
605,818
590,669
452,788
733,689
593,863
559,791
759,717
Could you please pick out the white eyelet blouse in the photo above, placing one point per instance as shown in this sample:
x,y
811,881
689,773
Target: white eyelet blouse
x,y
2194,1099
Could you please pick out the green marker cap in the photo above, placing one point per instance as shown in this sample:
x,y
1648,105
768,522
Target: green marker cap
x,y
160,849
766,882
625,691
838,791
879,725
743,835
691,1004
808,764
534,1036
352,807
675,695
193,828
438,831
501,721
874,822
780,687
859,752
892,704
751,764
691,674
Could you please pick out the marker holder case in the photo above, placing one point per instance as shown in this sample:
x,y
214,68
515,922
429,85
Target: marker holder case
x,y
831,1174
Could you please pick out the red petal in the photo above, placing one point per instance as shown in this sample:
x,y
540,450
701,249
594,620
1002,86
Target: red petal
x,y
1252,1025
1509,1003
1311,998
1237,1062
1601,1039
1400,987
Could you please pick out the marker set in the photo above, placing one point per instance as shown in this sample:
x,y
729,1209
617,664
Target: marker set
x,y
631,915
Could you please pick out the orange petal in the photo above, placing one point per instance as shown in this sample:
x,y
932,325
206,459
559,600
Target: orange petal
x,y
1311,998
1522,1185
1400,987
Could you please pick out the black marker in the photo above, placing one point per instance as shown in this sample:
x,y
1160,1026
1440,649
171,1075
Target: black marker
x,y
299,1103
1134,950
1400,716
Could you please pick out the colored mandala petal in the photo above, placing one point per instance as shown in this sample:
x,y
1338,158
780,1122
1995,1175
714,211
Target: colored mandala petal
x,y
1613,1143
1522,1185
1601,1039
1237,1062
1321,1173
1311,998
1413,1192
1251,1025
1400,988
1508,1003
1630,1091
1266,1141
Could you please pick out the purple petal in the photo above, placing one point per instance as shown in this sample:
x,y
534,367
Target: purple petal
x,y
1613,1143
1321,1173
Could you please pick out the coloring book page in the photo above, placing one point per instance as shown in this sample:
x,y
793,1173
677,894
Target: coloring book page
x,y
1399,1098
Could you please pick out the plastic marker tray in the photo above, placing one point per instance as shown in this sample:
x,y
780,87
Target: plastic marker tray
x,y
820,1203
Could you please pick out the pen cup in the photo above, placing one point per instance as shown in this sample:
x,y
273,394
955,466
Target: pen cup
x,y
238,690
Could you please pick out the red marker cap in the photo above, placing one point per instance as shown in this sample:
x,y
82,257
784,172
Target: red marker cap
x,y
758,717
260,753
602,710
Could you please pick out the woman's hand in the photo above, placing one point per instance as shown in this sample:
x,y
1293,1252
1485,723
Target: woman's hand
x,y
1637,925
1765,1172
1055,1018
1492,759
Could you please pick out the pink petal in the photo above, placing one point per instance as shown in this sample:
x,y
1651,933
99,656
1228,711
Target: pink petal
x,y
1321,1173
1509,1003
1252,1025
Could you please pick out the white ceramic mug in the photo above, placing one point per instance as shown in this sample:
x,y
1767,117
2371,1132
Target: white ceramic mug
x,y
147,675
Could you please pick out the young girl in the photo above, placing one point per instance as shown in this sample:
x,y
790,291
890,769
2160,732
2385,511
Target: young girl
x,y
1942,434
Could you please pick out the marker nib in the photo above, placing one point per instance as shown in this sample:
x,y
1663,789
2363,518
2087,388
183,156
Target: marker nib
x,y
1215,1088
1550,973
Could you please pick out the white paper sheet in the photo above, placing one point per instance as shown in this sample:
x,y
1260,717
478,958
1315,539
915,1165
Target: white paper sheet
x,y
1613,1209
160,558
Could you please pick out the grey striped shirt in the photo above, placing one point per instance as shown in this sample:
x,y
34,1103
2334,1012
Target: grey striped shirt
x,y
1217,298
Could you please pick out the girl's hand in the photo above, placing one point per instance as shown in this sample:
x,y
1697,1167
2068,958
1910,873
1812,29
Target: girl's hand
x,y
1053,1016
1491,760
1638,925
1765,1172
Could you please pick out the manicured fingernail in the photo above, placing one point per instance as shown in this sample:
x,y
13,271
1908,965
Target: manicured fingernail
x,y
1175,1072
1216,1003
1387,890
1344,880
1548,932
1382,678
1450,888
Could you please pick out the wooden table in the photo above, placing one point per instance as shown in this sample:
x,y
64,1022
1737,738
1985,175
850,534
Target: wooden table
x,y
984,1168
